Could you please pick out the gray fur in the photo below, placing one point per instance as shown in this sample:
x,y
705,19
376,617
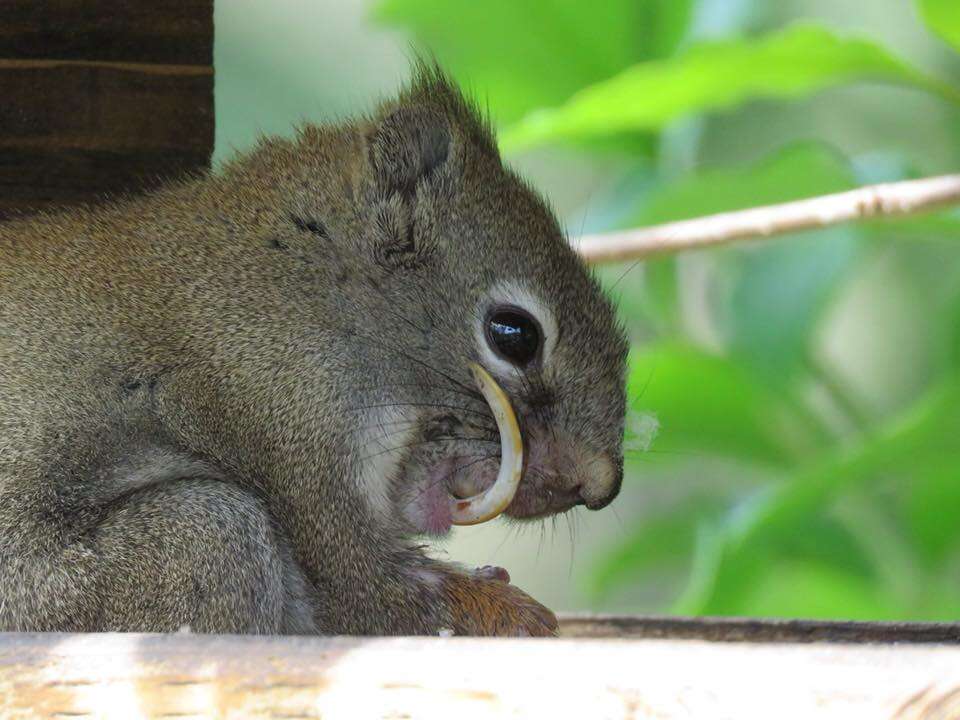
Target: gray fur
x,y
183,377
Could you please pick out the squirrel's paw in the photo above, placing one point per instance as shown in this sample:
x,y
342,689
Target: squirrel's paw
x,y
484,602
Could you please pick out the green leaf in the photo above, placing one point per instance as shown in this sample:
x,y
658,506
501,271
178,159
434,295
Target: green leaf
x,y
932,506
690,537
932,227
710,404
772,521
823,541
791,63
930,428
662,25
943,17
807,589
536,53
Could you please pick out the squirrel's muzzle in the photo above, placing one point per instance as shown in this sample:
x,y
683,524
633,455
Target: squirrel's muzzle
x,y
490,503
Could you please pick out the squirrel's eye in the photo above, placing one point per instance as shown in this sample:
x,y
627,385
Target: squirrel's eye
x,y
514,335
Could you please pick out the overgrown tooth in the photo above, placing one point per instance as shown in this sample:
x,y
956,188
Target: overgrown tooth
x,y
489,504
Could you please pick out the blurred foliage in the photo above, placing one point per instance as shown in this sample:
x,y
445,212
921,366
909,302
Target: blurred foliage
x,y
715,75
511,49
943,16
824,366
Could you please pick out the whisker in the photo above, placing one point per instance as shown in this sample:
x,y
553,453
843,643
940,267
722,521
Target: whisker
x,y
406,320
625,273
468,389
491,429
379,343
426,442
640,393
568,517
543,528
623,528
444,406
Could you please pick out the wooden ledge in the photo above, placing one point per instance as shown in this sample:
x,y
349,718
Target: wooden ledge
x,y
752,630
667,674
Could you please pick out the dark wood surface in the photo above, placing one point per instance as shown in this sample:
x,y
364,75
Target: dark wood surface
x,y
101,98
173,32
756,630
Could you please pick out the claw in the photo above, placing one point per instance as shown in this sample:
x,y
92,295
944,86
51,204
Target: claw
x,y
487,505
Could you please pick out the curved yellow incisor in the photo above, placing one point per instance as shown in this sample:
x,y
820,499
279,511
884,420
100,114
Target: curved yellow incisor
x,y
487,505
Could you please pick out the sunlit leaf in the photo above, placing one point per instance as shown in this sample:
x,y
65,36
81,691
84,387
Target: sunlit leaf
x,y
524,55
932,506
943,17
823,540
662,25
710,404
712,76
808,589
934,227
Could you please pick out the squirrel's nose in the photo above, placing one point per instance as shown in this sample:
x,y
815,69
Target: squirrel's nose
x,y
603,480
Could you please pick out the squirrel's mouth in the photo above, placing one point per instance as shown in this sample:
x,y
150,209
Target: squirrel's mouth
x,y
452,480
456,477
464,486
492,501
458,490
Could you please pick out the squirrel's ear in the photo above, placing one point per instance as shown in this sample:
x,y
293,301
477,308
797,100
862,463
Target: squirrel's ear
x,y
408,144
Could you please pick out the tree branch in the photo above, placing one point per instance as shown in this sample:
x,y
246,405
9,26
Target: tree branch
x,y
886,200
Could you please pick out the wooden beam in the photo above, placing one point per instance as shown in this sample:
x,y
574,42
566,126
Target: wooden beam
x,y
76,131
172,33
753,630
101,98
193,676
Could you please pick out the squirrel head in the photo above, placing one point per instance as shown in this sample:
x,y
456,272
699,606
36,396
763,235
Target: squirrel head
x,y
414,252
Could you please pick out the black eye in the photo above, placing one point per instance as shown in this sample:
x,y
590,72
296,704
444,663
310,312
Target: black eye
x,y
514,335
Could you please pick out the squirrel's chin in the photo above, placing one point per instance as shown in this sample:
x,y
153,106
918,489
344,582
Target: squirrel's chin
x,y
532,503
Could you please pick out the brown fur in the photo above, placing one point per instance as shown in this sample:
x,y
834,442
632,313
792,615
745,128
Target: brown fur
x,y
184,377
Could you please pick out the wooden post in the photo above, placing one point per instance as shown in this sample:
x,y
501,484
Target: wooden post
x,y
101,97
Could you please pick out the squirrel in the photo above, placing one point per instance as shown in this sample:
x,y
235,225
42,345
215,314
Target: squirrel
x,y
238,403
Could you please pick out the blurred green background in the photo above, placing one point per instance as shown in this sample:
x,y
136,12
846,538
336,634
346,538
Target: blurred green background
x,y
807,389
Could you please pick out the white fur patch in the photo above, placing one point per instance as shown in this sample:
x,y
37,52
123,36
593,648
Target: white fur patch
x,y
509,293
428,577
386,433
